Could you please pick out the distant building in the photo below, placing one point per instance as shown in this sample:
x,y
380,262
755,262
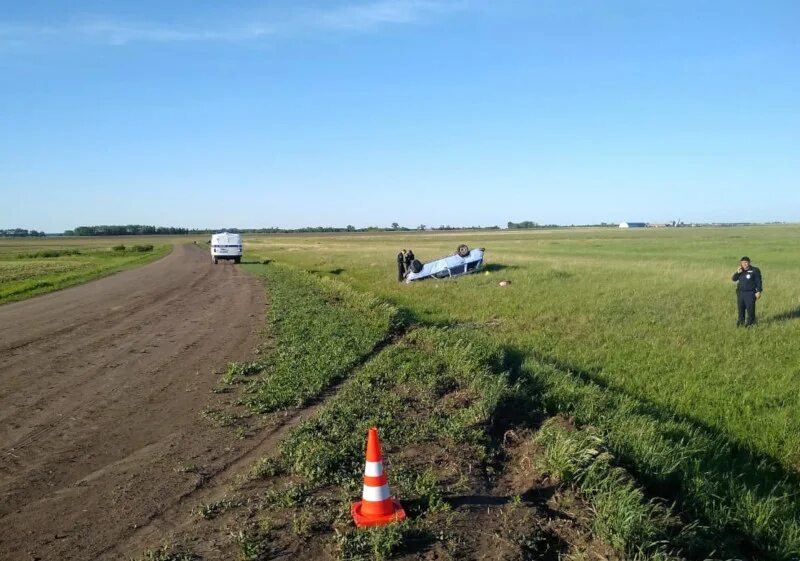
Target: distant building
x,y
633,224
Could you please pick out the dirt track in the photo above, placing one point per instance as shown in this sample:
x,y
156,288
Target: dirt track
x,y
101,387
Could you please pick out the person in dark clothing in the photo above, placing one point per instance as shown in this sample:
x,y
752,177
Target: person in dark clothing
x,y
401,265
748,290
409,258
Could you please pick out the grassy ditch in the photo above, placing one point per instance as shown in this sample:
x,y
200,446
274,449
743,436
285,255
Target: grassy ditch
x,y
322,329
748,502
442,399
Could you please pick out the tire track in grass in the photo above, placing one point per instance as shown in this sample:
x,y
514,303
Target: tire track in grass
x,y
438,396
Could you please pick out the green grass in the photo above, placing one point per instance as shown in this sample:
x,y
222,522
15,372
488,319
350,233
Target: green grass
x,y
442,397
647,312
631,332
624,516
731,490
433,393
168,553
322,329
413,377
38,266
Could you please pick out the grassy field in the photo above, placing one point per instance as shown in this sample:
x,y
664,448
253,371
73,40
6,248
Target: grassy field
x,y
30,267
648,312
612,360
631,336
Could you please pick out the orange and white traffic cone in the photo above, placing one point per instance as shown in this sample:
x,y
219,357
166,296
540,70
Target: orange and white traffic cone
x,y
377,507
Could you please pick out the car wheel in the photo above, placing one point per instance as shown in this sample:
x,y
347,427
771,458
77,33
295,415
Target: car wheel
x,y
462,250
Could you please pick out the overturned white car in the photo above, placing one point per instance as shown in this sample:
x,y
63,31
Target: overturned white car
x,y
462,262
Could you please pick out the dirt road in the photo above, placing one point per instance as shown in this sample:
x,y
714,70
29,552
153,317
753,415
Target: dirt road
x,y
101,389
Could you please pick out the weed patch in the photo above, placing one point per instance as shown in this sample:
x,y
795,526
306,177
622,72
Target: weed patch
x,y
168,553
48,254
239,372
209,511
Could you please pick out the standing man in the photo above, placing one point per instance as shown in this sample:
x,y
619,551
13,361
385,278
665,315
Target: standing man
x,y
748,290
401,266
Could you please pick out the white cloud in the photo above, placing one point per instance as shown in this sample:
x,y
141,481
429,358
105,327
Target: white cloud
x,y
368,16
112,31
364,16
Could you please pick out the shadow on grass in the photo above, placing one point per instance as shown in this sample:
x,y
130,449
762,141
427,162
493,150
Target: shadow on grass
x,y
535,495
494,267
334,272
785,316
707,453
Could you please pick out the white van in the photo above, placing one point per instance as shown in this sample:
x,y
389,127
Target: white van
x,y
226,246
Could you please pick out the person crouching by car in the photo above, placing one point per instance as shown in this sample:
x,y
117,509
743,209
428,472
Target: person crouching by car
x,y
401,265
409,258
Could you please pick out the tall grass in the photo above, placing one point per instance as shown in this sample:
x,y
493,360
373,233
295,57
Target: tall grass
x,y
750,499
624,516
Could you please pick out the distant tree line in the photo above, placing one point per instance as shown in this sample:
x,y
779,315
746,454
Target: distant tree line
x,y
395,227
528,225
129,230
136,230
21,233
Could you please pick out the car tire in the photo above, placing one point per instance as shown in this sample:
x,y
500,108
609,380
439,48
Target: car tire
x,y
462,250
214,260
416,266
237,260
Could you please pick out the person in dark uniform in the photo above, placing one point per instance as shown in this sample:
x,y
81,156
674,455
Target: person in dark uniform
x,y
748,290
401,265
409,258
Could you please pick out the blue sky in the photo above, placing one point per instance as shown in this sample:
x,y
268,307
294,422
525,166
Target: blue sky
x,y
294,113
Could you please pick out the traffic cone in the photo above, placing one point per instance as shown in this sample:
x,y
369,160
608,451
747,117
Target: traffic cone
x,y
377,507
